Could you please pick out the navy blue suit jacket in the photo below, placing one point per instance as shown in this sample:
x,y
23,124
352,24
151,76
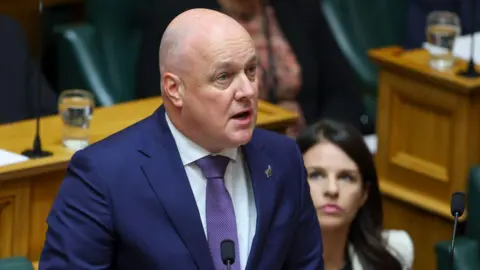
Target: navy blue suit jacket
x,y
126,203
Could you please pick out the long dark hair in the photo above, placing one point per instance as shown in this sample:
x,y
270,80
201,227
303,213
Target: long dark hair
x,y
366,229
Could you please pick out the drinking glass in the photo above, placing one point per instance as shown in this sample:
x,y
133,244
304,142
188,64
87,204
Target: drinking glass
x,y
75,107
442,29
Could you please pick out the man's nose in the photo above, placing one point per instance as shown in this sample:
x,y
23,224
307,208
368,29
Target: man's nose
x,y
246,87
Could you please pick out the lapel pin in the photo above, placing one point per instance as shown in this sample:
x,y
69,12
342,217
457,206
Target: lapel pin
x,y
268,171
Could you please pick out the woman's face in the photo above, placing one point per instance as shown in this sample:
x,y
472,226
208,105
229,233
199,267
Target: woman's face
x,y
335,185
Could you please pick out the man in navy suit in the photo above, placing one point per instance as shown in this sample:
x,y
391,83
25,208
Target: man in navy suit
x,y
166,192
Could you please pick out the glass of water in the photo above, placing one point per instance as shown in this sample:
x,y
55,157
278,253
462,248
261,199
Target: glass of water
x,y
75,107
442,29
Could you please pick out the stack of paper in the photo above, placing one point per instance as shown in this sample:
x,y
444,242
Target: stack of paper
x,y
7,158
462,47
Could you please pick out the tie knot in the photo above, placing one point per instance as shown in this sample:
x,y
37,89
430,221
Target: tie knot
x,y
213,166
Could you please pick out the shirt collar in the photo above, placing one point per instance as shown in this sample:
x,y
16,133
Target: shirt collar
x,y
190,151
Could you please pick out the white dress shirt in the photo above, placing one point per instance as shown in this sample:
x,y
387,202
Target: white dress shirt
x,y
237,182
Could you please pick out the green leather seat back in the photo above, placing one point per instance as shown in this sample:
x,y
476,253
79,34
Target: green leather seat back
x,y
467,246
15,263
362,25
473,204
465,257
100,54
117,40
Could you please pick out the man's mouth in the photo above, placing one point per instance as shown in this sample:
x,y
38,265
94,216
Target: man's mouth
x,y
242,115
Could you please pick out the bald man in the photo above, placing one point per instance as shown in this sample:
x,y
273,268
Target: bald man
x,y
175,189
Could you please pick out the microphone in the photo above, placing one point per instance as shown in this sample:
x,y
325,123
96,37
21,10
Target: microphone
x,y
227,250
457,206
36,151
471,72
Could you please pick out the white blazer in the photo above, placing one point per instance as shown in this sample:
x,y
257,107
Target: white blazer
x,y
398,243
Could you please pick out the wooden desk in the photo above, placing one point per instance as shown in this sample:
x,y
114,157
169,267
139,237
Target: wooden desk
x,y
428,138
27,189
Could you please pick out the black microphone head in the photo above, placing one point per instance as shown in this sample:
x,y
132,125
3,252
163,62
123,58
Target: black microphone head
x,y
457,205
227,250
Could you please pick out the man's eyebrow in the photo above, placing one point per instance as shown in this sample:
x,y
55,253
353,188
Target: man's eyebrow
x,y
229,64
253,59
223,64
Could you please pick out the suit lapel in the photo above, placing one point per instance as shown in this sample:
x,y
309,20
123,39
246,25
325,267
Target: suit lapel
x,y
168,179
264,193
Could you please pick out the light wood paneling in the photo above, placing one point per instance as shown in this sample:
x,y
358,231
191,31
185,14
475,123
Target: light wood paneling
x,y
424,227
14,221
428,139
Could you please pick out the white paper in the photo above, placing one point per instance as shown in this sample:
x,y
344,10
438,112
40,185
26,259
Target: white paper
x,y
461,47
371,141
7,157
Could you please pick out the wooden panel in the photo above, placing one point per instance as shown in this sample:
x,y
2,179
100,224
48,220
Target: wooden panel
x,y
425,229
14,218
428,139
423,141
422,136
44,191
6,226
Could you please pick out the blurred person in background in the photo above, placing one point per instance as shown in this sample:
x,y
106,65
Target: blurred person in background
x,y
344,188
21,80
301,66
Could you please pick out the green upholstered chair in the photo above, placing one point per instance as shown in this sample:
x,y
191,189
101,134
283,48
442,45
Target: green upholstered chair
x,y
467,246
15,263
100,54
359,26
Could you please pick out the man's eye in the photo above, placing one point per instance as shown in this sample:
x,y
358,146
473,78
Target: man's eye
x,y
223,77
252,71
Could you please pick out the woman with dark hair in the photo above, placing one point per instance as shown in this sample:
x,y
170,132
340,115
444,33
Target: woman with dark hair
x,y
344,187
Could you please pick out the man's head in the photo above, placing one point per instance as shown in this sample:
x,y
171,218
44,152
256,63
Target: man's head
x,y
208,79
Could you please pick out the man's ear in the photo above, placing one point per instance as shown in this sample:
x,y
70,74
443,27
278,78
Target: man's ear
x,y
173,89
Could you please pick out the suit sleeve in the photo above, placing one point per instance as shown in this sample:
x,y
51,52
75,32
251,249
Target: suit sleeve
x,y
306,252
80,234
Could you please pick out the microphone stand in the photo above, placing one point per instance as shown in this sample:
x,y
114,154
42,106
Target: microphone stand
x,y
36,151
228,265
471,72
452,248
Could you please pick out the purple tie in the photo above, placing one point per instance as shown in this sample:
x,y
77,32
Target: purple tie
x,y
221,222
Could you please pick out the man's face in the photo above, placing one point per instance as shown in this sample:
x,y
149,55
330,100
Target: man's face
x,y
221,92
